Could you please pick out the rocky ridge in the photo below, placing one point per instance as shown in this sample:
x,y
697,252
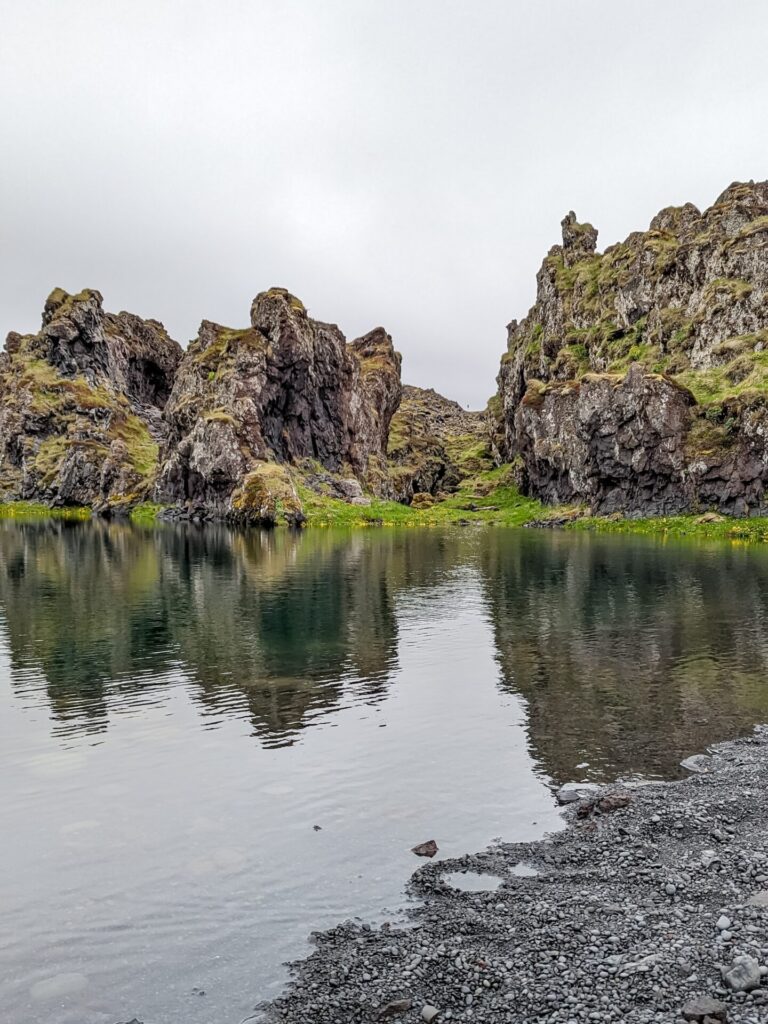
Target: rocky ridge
x,y
247,404
105,410
638,380
637,384
434,445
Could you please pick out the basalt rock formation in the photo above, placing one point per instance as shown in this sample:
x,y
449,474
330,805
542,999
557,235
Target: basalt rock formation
x,y
247,404
81,405
434,445
105,410
638,382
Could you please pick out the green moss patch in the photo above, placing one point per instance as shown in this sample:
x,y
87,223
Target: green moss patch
x,y
35,510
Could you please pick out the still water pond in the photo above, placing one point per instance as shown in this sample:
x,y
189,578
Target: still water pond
x,y
212,742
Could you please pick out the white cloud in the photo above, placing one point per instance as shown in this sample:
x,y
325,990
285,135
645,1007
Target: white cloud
x,y
398,163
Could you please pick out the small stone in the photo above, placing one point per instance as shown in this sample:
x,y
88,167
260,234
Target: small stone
x,y
708,858
614,801
428,849
429,1013
701,1007
572,792
744,975
397,1006
723,923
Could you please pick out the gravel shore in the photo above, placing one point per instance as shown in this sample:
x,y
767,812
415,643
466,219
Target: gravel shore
x,y
652,905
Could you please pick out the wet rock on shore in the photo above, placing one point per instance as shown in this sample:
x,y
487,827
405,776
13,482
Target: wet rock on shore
x,y
651,909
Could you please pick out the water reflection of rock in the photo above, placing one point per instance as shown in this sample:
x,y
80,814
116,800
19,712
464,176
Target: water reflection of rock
x,y
630,654
281,625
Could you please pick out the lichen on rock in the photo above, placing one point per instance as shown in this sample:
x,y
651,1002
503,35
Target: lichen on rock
x,y
638,380
80,417
286,389
434,445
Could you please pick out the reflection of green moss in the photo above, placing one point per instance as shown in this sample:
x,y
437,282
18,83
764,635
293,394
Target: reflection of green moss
x,y
35,510
709,527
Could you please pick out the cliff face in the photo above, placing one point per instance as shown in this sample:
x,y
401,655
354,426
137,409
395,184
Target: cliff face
x,y
81,405
246,403
105,410
434,444
685,306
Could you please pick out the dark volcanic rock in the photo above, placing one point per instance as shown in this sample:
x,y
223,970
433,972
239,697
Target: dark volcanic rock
x,y
80,417
248,403
618,444
638,380
135,357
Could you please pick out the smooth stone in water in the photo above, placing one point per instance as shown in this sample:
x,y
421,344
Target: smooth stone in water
x,y
428,849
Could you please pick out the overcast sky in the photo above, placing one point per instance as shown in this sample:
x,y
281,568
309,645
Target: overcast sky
x,y
392,162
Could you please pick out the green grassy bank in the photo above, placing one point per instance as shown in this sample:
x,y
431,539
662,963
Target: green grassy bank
x,y
501,506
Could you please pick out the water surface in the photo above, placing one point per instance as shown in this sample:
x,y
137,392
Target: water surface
x,y
213,741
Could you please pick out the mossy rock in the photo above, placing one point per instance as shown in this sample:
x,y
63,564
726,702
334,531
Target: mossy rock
x,y
267,496
422,500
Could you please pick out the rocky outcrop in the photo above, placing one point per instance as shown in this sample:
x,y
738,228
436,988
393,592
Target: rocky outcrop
x,y
134,357
640,443
105,410
638,380
81,408
284,390
434,445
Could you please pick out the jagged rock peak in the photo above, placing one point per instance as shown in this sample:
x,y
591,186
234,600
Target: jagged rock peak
x,y
579,240
686,304
62,307
81,404
285,390
269,307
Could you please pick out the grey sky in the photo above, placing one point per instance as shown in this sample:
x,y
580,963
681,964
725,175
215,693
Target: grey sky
x,y
392,162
